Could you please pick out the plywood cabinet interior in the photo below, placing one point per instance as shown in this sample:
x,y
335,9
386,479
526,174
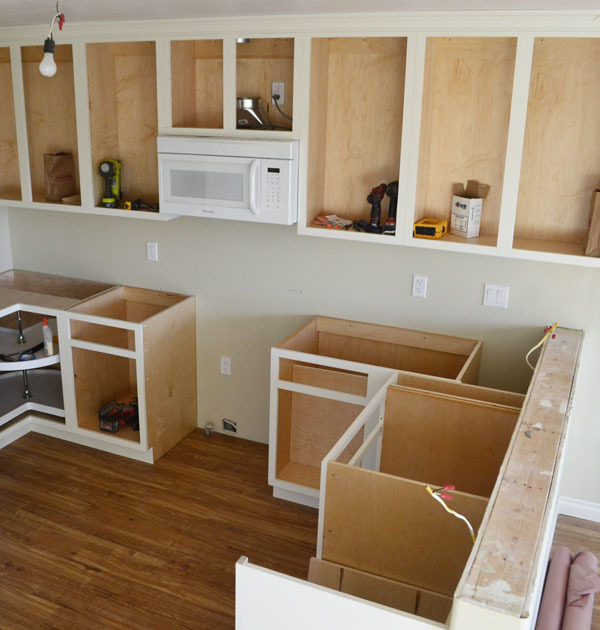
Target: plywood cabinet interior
x,y
197,83
324,374
10,184
123,115
561,156
159,367
380,523
50,110
356,106
464,124
259,63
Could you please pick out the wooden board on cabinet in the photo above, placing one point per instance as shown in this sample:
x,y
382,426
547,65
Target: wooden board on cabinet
x,y
468,437
170,371
561,155
523,505
10,183
123,115
464,122
392,527
50,109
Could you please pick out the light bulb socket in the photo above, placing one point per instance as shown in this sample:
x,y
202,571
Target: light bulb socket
x,y
49,45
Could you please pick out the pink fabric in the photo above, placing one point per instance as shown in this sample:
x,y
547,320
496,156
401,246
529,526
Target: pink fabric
x,y
555,589
583,583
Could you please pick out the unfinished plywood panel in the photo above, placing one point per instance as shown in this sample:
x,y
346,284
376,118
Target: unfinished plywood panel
x,y
259,63
357,100
393,528
197,83
100,378
170,370
315,425
51,284
123,115
464,390
309,426
561,156
464,129
10,183
397,348
326,378
303,340
509,554
381,590
441,439
50,110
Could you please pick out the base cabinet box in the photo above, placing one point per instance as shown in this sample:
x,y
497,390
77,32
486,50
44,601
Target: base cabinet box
x,y
130,343
324,374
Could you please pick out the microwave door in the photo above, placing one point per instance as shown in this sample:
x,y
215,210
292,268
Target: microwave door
x,y
207,185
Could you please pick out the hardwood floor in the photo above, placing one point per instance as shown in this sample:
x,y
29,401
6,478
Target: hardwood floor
x,y
91,540
580,535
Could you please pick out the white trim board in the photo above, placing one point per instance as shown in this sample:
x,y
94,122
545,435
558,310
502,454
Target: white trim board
x,y
578,508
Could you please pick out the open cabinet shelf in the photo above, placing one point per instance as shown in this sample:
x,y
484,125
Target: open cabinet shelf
x,y
355,127
123,115
50,111
561,156
197,83
259,63
464,125
10,183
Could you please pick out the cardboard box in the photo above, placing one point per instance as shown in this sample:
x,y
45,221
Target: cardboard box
x,y
592,247
467,204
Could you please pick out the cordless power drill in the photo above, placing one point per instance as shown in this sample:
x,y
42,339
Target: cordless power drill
x,y
389,227
375,197
111,171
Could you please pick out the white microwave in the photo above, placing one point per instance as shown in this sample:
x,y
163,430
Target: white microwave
x,y
229,178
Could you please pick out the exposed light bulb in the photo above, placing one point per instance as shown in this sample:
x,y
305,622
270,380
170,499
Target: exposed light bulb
x,y
48,65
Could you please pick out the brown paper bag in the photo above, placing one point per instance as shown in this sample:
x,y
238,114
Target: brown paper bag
x,y
593,243
59,172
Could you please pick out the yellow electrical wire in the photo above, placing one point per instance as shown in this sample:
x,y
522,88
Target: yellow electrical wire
x,y
460,516
549,331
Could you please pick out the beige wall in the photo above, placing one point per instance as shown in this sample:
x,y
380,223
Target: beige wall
x,y
5,249
255,284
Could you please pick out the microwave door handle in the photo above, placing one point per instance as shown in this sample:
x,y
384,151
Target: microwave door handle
x,y
253,171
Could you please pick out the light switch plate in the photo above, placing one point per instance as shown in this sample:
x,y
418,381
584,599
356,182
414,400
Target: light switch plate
x,y
495,295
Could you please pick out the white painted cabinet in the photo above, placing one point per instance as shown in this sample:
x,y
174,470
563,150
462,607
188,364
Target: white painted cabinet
x,y
427,100
120,344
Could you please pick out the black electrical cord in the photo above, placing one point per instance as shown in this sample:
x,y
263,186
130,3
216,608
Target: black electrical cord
x,y
275,98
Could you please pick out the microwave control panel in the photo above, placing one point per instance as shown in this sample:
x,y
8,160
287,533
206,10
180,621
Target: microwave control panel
x,y
275,178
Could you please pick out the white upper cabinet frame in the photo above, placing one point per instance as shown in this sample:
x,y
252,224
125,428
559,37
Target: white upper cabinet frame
x,y
416,28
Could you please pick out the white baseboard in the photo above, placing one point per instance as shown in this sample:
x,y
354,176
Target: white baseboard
x,y
579,509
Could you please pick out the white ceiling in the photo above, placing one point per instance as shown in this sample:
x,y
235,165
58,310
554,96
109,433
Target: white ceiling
x,y
17,12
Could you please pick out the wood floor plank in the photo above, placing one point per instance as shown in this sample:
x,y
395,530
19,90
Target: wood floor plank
x,y
91,540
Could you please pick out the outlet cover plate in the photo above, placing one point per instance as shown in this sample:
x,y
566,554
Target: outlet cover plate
x,y
495,295
419,288
226,366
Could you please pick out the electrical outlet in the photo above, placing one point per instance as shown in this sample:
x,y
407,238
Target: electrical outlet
x,y
419,288
152,251
226,366
278,87
495,295
229,425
